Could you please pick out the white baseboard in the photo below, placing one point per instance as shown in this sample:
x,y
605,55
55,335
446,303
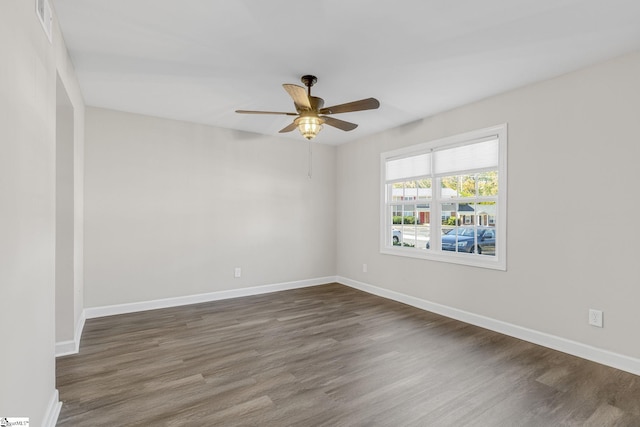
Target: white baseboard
x,y
111,310
53,411
605,357
65,348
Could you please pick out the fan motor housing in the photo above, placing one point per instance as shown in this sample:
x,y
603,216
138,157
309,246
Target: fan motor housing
x,y
316,103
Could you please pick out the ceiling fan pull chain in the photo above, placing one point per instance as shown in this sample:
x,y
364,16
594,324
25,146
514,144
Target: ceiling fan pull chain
x,y
310,159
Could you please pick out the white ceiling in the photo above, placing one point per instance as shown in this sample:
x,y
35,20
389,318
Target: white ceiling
x,y
200,60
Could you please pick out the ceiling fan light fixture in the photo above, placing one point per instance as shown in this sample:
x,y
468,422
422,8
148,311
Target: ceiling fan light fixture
x,y
309,126
311,113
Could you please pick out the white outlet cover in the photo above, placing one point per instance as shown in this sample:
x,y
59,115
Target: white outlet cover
x,y
595,318
237,272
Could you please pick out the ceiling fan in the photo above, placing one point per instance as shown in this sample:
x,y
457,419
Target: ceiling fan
x,y
311,111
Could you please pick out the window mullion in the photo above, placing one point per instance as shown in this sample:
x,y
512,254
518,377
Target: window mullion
x,y
436,215
436,221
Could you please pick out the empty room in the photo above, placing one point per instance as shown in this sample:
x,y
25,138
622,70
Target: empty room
x,y
319,213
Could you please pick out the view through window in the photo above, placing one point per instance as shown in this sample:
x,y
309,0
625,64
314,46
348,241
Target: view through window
x,y
446,200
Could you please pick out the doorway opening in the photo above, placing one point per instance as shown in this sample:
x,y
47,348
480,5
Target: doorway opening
x,y
65,278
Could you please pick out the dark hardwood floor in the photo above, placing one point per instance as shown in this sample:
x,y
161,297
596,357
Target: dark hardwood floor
x,y
327,356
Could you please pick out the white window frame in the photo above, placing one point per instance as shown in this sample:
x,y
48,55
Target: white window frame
x,y
499,260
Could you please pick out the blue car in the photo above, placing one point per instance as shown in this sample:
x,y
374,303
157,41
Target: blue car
x,y
461,239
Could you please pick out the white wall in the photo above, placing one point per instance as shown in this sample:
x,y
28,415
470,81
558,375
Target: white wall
x,y
572,161
173,207
27,208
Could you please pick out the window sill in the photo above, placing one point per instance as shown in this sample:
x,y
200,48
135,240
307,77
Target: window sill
x,y
472,260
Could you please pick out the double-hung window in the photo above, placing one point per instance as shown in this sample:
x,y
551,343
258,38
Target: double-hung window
x,y
445,200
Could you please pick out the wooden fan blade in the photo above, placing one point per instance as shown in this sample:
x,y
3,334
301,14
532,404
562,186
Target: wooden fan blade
x,y
289,128
299,95
340,124
363,104
265,112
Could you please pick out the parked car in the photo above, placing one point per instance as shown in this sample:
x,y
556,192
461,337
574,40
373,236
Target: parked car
x,y
397,236
461,239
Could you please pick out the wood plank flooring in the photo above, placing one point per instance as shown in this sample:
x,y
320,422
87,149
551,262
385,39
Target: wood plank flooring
x,y
327,356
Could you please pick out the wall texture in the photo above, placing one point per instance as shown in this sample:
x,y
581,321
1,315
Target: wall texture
x,y
572,161
28,69
173,207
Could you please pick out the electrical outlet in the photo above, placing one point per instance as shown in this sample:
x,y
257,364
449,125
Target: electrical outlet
x,y
364,268
595,318
237,272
